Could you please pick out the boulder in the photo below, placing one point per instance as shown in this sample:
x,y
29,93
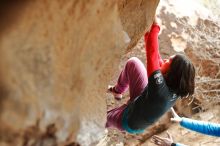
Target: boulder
x,y
57,58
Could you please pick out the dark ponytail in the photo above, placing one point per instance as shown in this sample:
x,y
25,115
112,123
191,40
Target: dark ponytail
x,y
181,76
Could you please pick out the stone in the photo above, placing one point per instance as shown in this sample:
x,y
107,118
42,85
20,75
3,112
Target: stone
x,y
57,57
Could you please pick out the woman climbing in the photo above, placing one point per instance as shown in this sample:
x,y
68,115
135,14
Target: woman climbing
x,y
152,91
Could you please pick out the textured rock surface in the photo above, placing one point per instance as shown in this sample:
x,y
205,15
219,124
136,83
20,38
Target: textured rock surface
x,y
57,57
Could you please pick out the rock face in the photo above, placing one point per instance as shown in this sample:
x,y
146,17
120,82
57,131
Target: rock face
x,y
57,57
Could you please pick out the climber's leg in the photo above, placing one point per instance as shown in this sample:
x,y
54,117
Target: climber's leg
x,y
134,76
114,117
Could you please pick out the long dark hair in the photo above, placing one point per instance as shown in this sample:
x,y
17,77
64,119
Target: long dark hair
x,y
181,76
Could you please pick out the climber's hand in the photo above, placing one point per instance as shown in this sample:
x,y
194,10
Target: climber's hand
x,y
175,118
155,20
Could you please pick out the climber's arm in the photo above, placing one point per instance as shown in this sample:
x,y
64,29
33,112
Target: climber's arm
x,y
160,60
159,57
152,52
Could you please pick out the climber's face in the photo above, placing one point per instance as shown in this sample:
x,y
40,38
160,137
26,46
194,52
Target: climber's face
x,y
166,65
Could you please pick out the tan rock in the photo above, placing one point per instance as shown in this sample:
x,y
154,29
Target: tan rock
x,y
57,58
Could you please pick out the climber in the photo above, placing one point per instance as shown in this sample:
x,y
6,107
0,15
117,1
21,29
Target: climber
x,y
207,128
152,91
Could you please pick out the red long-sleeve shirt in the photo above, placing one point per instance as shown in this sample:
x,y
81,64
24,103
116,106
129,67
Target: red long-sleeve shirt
x,y
154,60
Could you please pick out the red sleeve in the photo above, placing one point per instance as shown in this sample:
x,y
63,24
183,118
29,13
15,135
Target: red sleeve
x,y
159,57
160,60
152,51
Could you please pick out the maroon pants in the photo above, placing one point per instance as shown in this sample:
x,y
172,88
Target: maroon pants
x,y
134,77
